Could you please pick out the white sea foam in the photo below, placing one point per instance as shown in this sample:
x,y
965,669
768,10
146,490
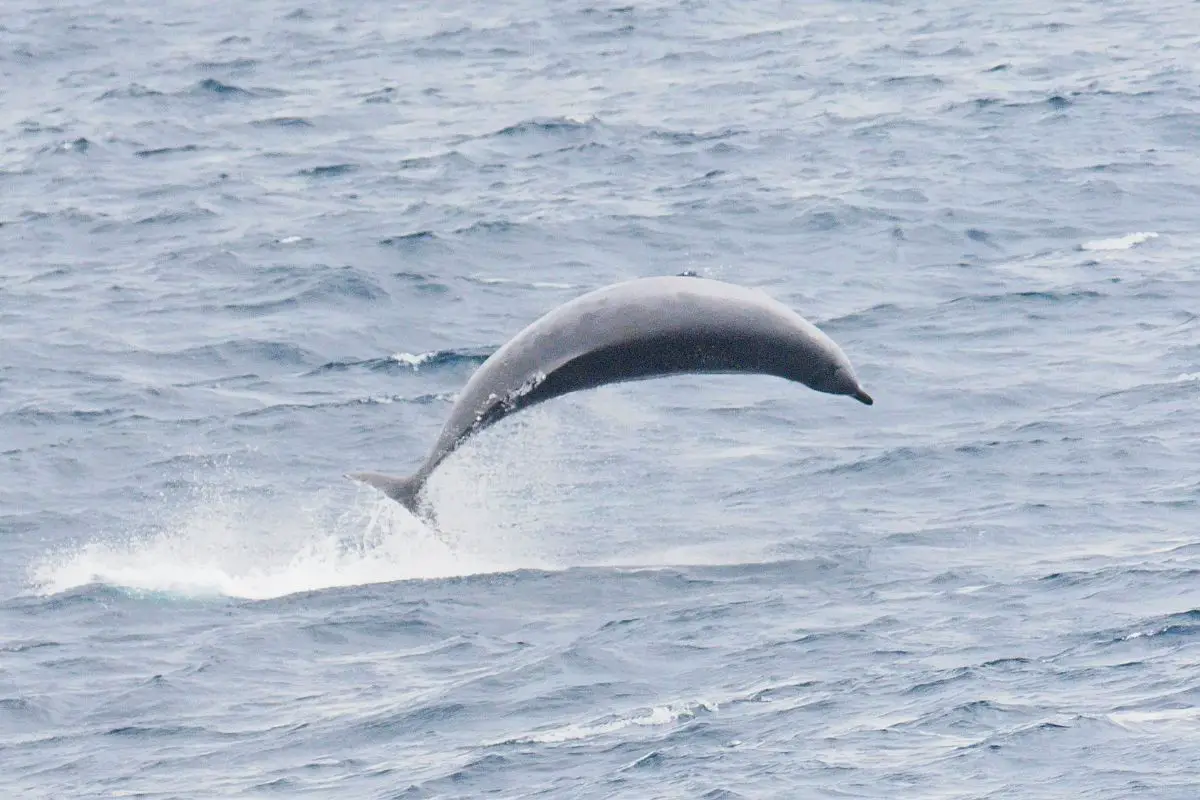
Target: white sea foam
x,y
658,715
492,280
1121,243
1170,717
412,360
793,694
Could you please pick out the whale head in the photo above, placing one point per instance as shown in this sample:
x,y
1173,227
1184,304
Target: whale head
x,y
816,361
807,355
842,380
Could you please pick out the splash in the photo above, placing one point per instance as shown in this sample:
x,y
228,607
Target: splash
x,y
258,547
227,538
523,496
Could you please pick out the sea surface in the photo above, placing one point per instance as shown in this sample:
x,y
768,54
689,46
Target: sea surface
x,y
246,248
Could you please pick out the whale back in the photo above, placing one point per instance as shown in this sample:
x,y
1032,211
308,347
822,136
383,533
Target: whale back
x,y
642,329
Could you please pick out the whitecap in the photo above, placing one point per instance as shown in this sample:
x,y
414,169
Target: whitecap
x,y
412,360
1121,243
651,717
1132,719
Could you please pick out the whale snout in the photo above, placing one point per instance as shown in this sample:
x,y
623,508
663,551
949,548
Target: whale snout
x,y
844,381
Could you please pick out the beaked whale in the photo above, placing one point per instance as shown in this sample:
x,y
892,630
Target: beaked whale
x,y
634,330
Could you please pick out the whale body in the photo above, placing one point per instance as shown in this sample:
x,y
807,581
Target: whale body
x,y
635,330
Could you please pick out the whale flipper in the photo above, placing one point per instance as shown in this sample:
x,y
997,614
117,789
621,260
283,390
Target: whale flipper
x,y
403,490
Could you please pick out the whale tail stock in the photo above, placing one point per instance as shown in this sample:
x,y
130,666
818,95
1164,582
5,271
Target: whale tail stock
x,y
403,490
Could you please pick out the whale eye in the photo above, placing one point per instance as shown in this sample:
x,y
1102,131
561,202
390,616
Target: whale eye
x,y
833,379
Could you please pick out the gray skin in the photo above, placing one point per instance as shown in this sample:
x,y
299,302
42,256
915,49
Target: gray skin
x,y
638,329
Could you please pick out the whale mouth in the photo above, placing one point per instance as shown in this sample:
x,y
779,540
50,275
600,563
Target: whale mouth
x,y
862,397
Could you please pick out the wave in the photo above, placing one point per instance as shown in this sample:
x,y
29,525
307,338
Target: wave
x,y
531,138
1056,102
132,91
866,318
488,226
1185,720
175,217
695,137
1185,624
77,145
282,122
646,717
492,280
1125,242
409,239
334,286
541,126
236,351
369,400
214,86
328,170
445,160
1030,296
40,416
164,151
411,362
211,87
238,64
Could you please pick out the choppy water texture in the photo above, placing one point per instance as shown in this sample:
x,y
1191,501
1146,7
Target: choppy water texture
x,y
249,247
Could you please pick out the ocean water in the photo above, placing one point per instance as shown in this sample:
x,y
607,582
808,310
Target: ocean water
x,y
250,247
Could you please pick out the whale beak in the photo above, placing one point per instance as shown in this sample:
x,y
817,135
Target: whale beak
x,y
862,396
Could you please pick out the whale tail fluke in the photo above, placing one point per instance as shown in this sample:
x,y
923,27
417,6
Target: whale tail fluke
x,y
403,490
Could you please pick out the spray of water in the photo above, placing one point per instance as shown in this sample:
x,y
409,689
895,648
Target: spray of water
x,y
260,548
228,538
524,495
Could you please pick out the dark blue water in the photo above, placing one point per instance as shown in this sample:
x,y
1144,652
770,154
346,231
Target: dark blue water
x,y
249,247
